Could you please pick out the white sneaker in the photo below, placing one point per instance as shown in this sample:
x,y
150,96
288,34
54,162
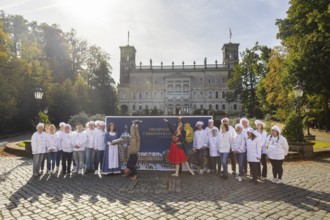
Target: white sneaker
x,y
263,178
53,171
239,179
49,172
96,172
274,180
56,170
74,170
279,181
207,170
79,172
200,171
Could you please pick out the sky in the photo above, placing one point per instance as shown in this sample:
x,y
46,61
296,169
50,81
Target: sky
x,y
161,30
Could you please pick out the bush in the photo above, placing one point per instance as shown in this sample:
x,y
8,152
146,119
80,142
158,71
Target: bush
x,y
293,129
81,118
100,117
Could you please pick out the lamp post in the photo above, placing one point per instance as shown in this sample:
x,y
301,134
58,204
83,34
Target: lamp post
x,y
38,93
307,110
298,92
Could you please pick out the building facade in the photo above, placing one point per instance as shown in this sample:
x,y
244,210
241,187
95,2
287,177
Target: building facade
x,y
176,89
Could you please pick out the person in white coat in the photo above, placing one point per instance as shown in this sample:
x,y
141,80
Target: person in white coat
x,y
253,148
262,135
89,151
66,146
38,144
79,141
200,145
208,129
278,148
59,152
245,124
224,148
99,146
52,142
214,145
232,155
238,146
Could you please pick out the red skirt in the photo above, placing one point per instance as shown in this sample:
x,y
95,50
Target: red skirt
x,y
176,155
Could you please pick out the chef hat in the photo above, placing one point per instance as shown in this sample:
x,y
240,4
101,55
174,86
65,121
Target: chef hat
x,y
87,124
40,125
260,122
224,119
210,120
199,123
68,126
244,119
276,128
252,131
91,123
238,126
97,122
62,124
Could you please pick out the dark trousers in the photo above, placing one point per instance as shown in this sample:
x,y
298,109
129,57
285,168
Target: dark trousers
x,y
200,157
131,163
254,170
263,162
58,158
215,162
66,162
277,168
233,161
98,159
245,165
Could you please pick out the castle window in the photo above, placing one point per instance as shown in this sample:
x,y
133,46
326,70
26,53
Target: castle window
x,y
235,107
127,58
210,94
216,94
223,106
134,95
223,94
133,107
201,106
217,107
210,106
140,95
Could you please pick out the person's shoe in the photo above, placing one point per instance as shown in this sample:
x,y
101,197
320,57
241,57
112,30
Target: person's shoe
x,y
207,170
192,172
279,181
79,172
200,171
274,180
74,171
239,179
35,175
41,172
96,172
134,177
174,174
53,171
234,173
56,170
49,172
263,178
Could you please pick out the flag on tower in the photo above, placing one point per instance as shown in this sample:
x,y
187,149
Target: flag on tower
x,y
230,34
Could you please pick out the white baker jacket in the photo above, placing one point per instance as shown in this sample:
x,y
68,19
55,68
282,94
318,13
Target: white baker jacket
x,y
65,142
278,147
80,139
52,142
38,143
200,139
253,150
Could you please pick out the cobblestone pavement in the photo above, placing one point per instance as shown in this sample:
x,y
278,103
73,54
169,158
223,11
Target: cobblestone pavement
x,y
305,194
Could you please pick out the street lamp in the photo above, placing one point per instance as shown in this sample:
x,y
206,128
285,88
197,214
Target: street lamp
x,y
38,93
298,92
46,111
307,110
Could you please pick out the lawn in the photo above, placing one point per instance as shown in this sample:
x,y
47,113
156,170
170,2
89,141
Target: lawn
x,y
321,144
21,144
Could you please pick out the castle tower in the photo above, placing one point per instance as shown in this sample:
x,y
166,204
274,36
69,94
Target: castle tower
x,y
127,62
230,54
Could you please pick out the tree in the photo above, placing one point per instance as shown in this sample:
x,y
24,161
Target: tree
x,y
274,90
247,75
306,35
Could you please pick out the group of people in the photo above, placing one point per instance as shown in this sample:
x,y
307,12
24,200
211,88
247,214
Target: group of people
x,y
244,145
93,149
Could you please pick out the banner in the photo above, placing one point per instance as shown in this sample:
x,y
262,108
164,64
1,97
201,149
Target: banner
x,y
155,137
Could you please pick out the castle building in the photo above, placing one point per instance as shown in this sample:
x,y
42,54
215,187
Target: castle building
x,y
176,89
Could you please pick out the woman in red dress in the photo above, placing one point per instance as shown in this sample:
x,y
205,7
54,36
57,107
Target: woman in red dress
x,y
177,155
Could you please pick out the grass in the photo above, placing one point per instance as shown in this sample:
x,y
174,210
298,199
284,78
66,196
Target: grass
x,y
321,144
21,144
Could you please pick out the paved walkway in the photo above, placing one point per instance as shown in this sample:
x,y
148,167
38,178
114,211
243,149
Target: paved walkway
x,y
305,194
